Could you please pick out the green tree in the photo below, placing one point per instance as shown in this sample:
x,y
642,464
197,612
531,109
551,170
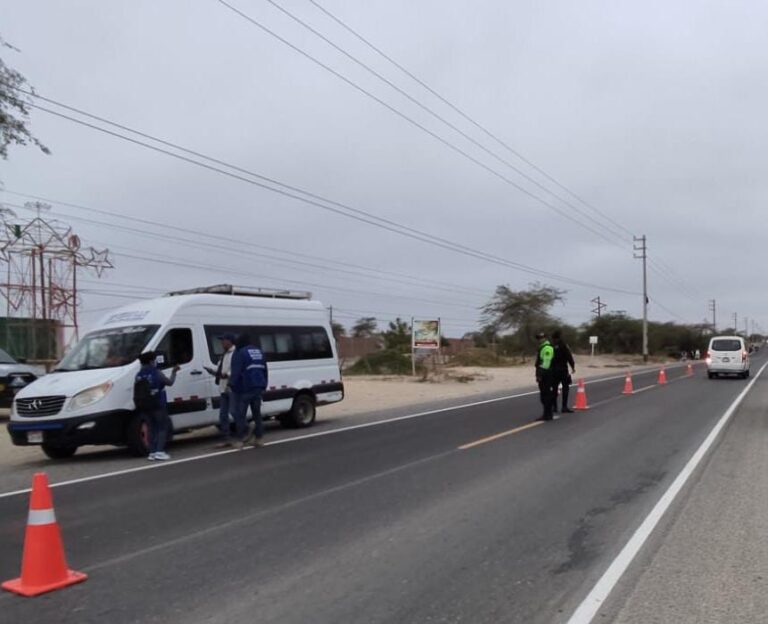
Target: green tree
x,y
338,330
398,336
14,108
521,312
364,327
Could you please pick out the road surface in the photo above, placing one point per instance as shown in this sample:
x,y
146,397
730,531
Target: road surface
x,y
462,515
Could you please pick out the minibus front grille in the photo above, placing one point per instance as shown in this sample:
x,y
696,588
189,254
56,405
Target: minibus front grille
x,y
40,406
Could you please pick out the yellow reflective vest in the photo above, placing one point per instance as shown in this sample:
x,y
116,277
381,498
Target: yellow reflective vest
x,y
546,353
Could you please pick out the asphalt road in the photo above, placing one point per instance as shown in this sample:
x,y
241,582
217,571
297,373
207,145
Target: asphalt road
x,y
406,521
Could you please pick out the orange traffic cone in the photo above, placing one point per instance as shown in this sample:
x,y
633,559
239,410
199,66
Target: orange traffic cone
x,y
628,384
581,397
690,370
662,376
43,566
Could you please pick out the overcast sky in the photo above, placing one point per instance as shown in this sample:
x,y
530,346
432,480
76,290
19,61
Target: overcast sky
x,y
653,113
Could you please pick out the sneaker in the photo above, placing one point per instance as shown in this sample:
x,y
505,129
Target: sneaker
x,y
567,410
224,444
151,457
162,456
555,418
258,441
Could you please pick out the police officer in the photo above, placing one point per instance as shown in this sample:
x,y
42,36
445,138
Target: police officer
x,y
562,359
544,375
248,379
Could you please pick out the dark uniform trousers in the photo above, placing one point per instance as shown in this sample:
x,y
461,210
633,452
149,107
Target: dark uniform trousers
x,y
547,391
561,377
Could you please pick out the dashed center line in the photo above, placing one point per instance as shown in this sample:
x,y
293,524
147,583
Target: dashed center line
x,y
503,434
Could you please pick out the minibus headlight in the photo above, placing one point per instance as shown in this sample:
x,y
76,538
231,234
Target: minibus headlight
x,y
90,396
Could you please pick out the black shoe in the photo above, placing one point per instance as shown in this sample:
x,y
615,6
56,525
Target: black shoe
x,y
567,410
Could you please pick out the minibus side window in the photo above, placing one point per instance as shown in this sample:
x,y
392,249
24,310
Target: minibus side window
x,y
177,347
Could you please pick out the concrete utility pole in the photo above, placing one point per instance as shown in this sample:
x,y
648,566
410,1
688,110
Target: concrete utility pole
x,y
599,306
736,322
746,328
713,309
641,247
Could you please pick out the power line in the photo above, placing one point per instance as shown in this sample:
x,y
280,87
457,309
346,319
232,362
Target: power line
x,y
442,119
475,123
368,218
415,123
231,249
661,269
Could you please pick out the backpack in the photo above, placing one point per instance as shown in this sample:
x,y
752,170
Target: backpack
x,y
142,395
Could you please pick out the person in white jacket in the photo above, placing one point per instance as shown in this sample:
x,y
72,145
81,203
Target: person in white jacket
x,y
222,374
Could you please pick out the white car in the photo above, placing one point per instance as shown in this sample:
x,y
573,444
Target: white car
x,y
13,377
727,355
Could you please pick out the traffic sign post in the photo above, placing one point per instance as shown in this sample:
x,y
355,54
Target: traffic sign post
x,y
593,342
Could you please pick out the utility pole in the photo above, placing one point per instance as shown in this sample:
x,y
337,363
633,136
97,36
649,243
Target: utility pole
x,y
599,306
713,309
746,328
641,247
735,322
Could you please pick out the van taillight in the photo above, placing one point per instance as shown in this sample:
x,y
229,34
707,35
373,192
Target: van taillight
x,y
743,356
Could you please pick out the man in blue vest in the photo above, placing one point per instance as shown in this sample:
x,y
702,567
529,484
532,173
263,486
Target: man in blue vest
x,y
152,402
544,376
248,379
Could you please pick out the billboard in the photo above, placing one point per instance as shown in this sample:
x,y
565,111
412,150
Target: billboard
x,y
426,334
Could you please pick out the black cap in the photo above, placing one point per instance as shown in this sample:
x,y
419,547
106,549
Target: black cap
x,y
540,335
147,357
227,336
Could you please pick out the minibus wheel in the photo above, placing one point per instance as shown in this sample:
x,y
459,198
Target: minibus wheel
x,y
302,412
59,452
137,435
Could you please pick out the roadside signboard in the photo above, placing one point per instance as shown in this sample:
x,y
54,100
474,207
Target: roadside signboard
x,y
593,342
426,334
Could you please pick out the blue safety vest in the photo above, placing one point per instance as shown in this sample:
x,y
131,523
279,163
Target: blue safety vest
x,y
249,370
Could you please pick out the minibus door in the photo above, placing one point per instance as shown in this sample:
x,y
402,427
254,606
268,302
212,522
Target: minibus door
x,y
188,403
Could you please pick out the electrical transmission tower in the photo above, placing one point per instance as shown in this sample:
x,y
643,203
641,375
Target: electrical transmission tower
x,y
599,306
39,263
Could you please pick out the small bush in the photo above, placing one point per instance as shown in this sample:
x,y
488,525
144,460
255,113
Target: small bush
x,y
478,357
385,362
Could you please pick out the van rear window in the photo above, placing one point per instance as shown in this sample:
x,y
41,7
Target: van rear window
x,y
726,344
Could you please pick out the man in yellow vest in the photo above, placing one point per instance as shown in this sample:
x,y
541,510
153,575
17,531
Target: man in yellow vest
x,y
545,376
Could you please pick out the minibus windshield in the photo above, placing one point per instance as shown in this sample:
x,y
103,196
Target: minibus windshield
x,y
108,348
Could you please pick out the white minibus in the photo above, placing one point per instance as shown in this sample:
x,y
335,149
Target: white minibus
x,y
88,398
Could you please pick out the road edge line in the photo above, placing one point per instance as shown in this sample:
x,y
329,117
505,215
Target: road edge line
x,y
595,599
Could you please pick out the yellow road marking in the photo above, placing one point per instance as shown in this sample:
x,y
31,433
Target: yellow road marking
x,y
503,434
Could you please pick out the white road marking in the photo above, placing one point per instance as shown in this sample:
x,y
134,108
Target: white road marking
x,y
589,607
375,423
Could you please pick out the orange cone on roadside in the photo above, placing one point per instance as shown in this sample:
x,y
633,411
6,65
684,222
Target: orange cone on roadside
x,y
690,370
628,384
43,566
662,376
581,397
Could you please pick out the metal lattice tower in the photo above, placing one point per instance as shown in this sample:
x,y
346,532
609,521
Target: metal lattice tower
x,y
39,263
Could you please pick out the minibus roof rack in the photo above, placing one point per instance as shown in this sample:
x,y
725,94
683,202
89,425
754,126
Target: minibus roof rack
x,y
243,291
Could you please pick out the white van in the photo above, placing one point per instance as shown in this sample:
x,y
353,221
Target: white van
x,y
88,398
727,355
